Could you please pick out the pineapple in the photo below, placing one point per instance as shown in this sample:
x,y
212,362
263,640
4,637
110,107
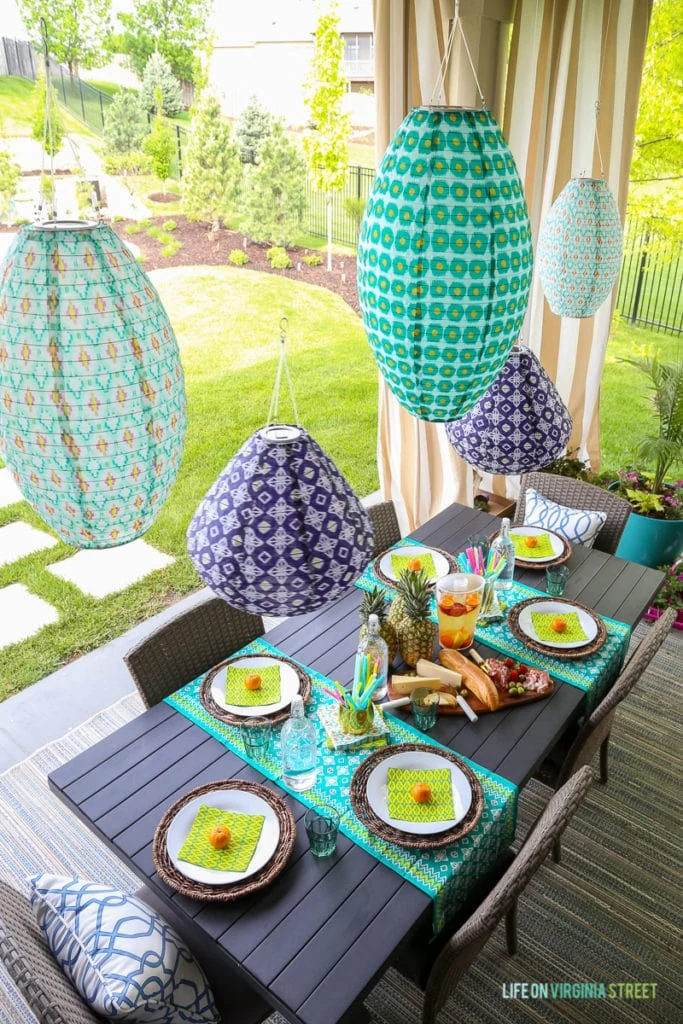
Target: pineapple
x,y
397,610
416,631
374,603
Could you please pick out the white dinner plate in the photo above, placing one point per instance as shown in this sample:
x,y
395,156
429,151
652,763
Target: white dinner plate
x,y
414,551
534,531
590,626
240,801
419,760
289,686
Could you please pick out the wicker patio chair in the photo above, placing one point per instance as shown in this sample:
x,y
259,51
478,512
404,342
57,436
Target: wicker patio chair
x,y
565,490
387,530
54,1000
578,747
461,950
188,645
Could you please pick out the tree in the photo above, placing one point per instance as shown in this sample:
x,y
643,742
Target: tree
x,y
158,75
657,166
76,29
254,125
10,173
212,168
277,192
160,147
50,135
176,28
125,123
326,144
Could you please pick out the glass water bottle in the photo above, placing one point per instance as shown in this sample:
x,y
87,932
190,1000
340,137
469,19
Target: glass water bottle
x,y
374,649
299,749
502,542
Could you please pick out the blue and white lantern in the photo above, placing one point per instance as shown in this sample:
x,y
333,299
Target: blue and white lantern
x,y
280,532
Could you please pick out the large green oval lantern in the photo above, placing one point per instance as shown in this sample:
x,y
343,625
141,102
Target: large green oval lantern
x,y
444,260
92,395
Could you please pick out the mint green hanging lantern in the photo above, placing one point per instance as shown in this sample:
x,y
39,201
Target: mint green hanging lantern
x,y
444,260
92,396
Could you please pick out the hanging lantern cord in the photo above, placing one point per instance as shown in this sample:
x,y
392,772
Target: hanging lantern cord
x,y
597,102
440,84
47,128
282,365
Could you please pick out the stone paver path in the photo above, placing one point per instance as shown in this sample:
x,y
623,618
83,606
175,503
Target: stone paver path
x,y
107,571
22,614
19,539
9,492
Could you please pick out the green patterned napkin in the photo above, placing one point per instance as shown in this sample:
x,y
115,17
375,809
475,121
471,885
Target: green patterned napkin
x,y
543,549
236,692
574,631
399,563
246,832
400,803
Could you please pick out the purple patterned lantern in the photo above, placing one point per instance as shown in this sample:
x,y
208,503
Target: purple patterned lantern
x,y
280,532
519,425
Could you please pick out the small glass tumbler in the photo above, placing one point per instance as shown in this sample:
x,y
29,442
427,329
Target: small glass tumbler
x,y
425,712
556,577
256,736
322,827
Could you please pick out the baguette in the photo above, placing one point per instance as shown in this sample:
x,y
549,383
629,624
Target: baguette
x,y
406,684
476,681
450,679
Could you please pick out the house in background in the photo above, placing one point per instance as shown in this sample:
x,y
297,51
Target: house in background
x,y
265,49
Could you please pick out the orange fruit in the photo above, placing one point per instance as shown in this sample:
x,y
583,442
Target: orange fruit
x,y
530,542
472,601
220,836
414,564
446,601
253,682
558,625
421,793
446,640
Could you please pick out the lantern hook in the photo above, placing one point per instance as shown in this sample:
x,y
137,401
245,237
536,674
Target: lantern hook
x,y
440,83
282,366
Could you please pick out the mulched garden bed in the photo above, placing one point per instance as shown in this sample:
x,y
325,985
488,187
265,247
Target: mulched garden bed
x,y
202,246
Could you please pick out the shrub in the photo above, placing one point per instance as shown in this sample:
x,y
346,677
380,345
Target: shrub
x,y
254,126
166,238
10,173
135,162
312,260
132,229
160,148
169,225
354,206
125,123
154,231
116,218
278,258
158,76
277,192
51,141
212,170
238,257
171,249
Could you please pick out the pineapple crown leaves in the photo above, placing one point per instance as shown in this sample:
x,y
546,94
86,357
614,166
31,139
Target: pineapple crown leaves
x,y
374,603
412,581
415,590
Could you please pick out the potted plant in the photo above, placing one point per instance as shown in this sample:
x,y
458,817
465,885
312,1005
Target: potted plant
x,y
671,594
654,531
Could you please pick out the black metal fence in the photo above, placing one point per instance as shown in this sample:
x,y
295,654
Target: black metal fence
x,y
87,103
651,282
347,207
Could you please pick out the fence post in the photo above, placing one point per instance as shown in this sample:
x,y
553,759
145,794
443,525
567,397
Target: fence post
x,y
61,71
101,110
641,275
180,151
80,89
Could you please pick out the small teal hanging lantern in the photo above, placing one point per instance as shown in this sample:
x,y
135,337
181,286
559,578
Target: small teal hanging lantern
x,y
444,260
92,395
579,248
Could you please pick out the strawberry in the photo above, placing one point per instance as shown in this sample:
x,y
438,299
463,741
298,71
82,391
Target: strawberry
x,y
514,675
509,662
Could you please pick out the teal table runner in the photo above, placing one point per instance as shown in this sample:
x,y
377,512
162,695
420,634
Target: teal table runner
x,y
446,875
594,674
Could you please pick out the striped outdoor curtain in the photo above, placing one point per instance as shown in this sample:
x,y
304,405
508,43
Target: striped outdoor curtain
x,y
561,57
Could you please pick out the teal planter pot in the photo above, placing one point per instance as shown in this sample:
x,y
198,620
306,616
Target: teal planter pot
x,y
651,542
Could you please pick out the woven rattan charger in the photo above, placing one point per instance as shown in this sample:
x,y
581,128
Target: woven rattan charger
x,y
535,563
557,652
215,709
359,801
170,874
389,581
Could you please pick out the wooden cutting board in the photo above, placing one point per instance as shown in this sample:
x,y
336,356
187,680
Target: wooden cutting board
x,y
505,701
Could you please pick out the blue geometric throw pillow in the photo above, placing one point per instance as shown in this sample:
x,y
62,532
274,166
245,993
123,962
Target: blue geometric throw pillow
x,y
124,960
576,525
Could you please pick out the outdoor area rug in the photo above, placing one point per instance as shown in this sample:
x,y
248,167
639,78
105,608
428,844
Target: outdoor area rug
x,y
609,913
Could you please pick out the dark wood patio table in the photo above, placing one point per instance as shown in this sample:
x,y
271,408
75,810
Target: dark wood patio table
x,y
315,941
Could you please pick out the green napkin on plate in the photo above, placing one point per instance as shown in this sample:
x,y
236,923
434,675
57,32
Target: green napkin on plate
x,y
543,549
574,631
399,563
401,804
236,692
236,856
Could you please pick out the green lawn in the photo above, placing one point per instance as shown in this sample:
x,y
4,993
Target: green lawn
x,y
626,414
227,324
17,108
